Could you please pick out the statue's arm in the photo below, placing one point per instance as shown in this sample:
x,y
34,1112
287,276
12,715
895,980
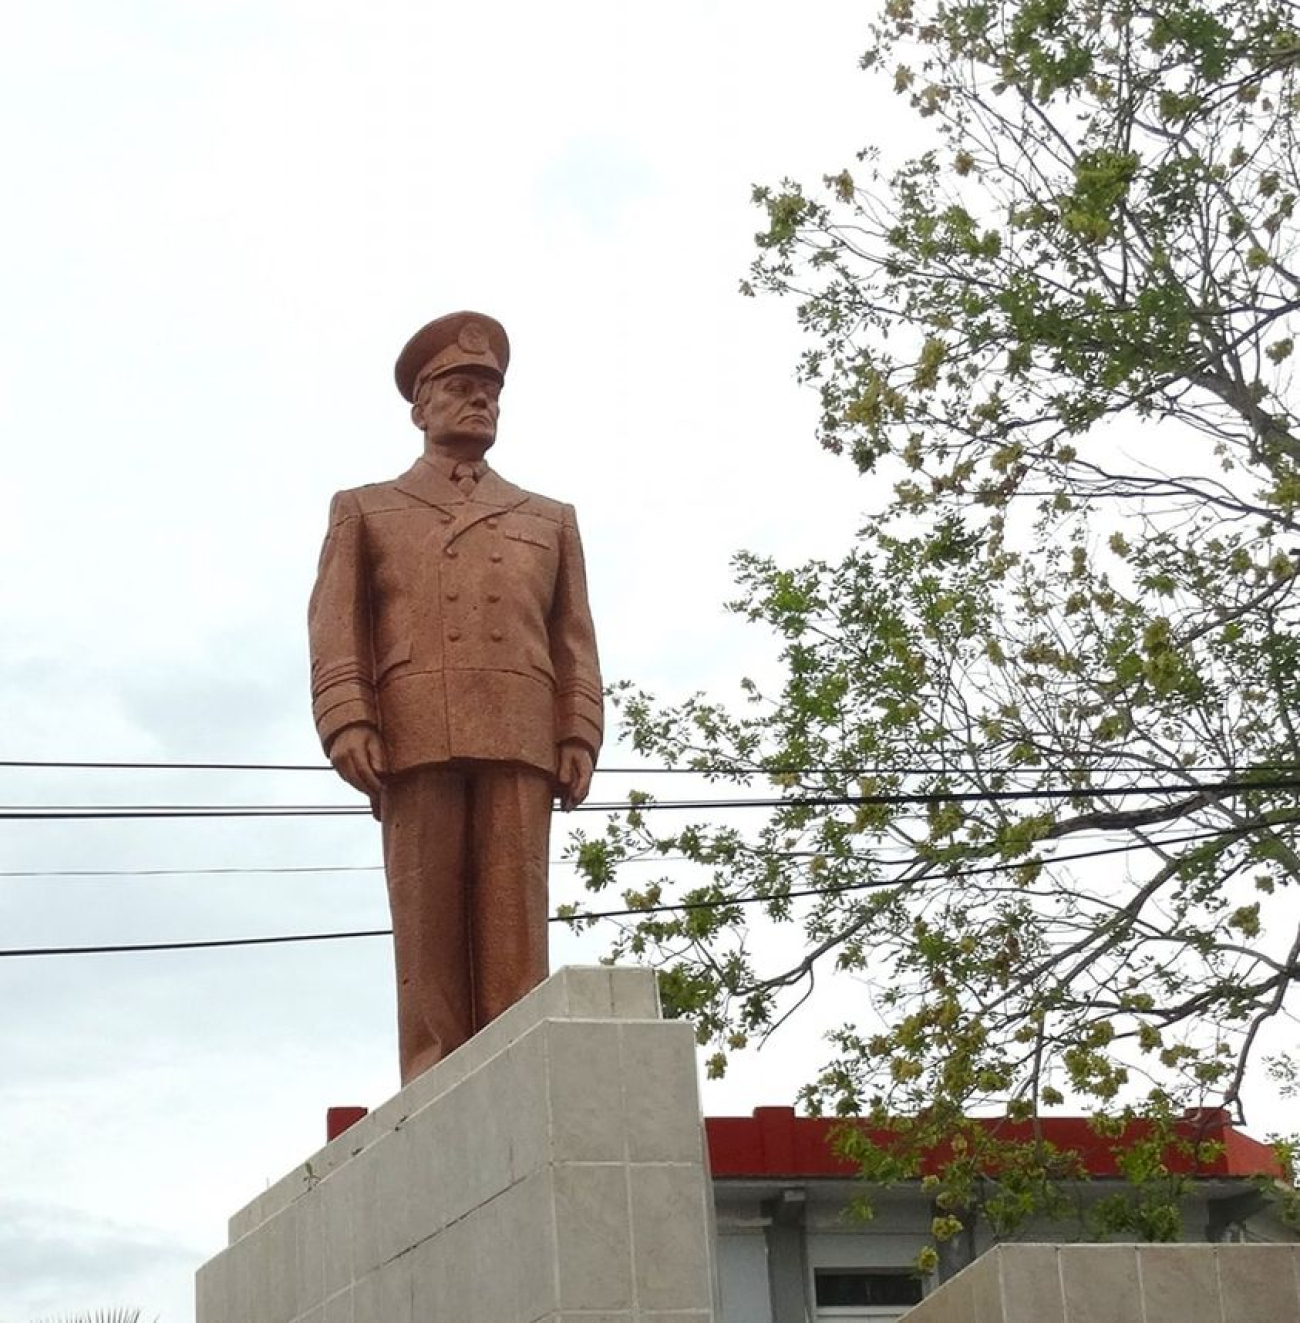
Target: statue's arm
x,y
338,624
580,709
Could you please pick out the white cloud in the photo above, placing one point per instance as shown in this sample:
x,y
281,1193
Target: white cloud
x,y
59,1259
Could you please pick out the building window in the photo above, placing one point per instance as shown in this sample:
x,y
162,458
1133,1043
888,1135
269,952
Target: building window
x,y
846,1293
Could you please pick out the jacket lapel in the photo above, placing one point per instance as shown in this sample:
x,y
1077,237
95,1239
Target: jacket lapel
x,y
423,481
492,496
493,490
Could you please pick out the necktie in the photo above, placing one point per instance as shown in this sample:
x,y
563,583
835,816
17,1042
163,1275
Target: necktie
x,y
466,475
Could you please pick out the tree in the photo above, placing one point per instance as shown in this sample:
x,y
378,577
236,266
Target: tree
x,y
1061,339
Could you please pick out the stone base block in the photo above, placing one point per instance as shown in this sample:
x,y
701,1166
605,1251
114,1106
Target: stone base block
x,y
553,1169
1116,1283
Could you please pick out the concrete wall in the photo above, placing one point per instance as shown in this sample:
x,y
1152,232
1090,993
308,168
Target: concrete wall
x,y
1121,1284
552,1170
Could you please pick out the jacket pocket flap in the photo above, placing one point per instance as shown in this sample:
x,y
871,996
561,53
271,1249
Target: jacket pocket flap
x,y
533,539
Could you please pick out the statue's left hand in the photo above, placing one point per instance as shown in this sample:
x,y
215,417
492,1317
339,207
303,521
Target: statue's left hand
x,y
574,774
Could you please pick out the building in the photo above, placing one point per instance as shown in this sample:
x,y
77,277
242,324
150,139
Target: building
x,y
788,1253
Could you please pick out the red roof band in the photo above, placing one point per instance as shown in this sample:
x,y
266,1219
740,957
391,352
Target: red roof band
x,y
776,1142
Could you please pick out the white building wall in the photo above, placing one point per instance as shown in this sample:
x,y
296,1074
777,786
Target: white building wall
x,y
742,1276
832,1238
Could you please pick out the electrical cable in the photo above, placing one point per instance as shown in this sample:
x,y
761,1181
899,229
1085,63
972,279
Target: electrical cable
x,y
84,764
307,869
206,944
975,871
191,872
274,869
1135,764
69,812
639,911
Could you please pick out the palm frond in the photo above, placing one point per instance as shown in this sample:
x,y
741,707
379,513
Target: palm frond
x,y
118,1315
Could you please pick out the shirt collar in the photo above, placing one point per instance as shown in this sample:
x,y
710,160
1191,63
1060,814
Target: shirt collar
x,y
444,465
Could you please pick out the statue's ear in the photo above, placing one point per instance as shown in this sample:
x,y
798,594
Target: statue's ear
x,y
417,415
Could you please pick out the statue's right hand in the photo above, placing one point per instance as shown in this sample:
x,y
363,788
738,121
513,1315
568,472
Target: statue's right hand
x,y
357,753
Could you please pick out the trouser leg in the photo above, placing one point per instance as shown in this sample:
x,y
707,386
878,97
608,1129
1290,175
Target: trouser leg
x,y
426,859
510,842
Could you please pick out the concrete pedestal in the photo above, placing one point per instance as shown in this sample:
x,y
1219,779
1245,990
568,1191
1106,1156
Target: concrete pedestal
x,y
551,1169
1116,1283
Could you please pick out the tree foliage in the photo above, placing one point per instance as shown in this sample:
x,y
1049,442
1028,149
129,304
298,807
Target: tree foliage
x,y
1060,342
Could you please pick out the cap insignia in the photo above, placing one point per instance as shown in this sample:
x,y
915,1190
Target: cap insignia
x,y
473,338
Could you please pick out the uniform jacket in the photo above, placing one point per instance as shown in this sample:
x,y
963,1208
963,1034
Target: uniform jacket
x,y
459,627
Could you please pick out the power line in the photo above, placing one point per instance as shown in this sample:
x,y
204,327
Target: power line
x,y
106,812
69,812
191,872
308,869
83,764
277,869
1134,763
206,944
974,871
640,911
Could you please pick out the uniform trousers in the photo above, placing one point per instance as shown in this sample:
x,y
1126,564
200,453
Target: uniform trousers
x,y
465,853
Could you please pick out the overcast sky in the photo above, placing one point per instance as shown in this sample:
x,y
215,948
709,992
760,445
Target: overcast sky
x,y
221,220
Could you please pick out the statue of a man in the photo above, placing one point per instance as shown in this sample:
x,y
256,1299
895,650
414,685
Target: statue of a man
x,y
455,681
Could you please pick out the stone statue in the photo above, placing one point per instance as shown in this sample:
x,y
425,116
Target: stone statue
x,y
455,682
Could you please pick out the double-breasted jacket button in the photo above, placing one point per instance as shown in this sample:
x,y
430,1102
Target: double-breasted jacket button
x,y
494,597
452,553
452,594
497,636
496,556
453,634
448,519
492,523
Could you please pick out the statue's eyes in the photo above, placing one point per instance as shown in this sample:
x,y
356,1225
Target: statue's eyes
x,y
467,386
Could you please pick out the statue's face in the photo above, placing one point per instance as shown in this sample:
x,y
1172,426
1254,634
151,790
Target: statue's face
x,y
460,409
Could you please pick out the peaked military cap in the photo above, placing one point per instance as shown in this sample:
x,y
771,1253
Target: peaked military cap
x,y
455,342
